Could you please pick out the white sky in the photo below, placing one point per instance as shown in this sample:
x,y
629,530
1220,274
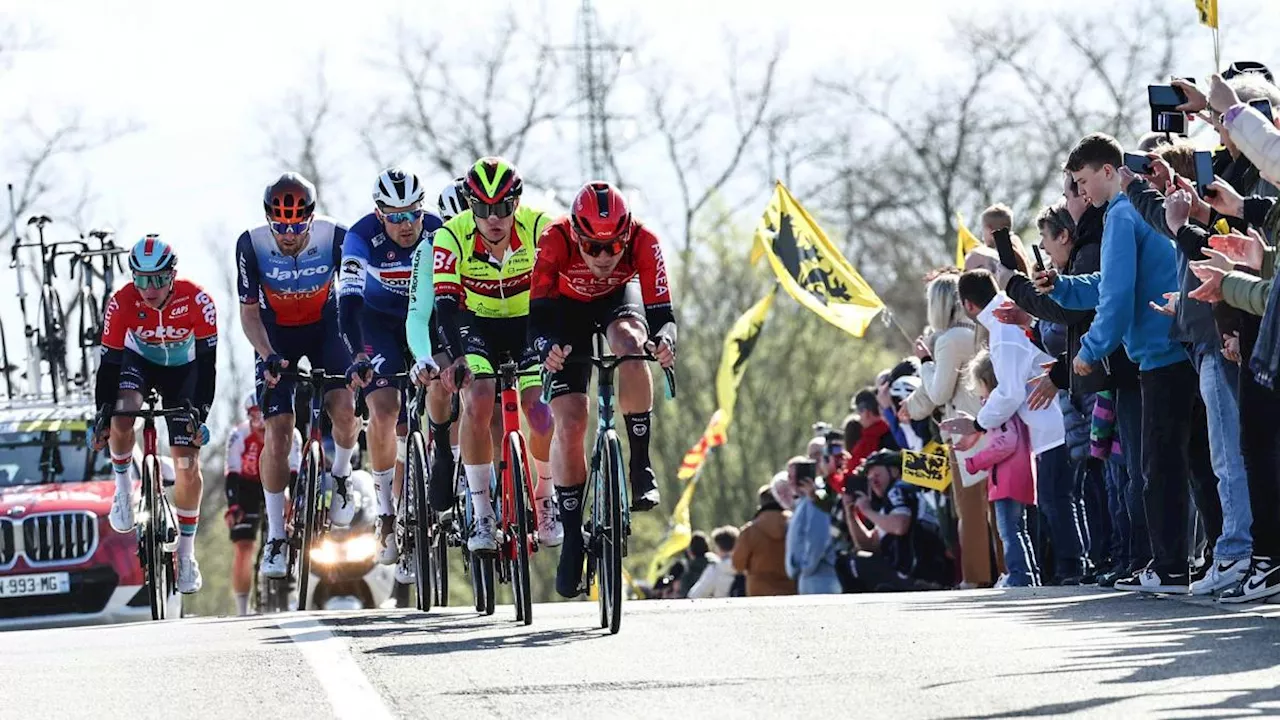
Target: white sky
x,y
202,78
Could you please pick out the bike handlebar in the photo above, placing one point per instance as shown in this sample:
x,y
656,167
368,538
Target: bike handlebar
x,y
609,363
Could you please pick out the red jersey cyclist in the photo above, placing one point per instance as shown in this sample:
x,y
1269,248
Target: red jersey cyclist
x,y
159,332
598,268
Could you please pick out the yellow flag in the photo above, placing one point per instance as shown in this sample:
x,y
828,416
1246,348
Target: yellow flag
x,y
738,344
679,533
965,241
810,268
928,468
1208,10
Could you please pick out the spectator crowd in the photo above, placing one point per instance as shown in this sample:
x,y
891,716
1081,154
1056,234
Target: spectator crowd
x,y
1107,408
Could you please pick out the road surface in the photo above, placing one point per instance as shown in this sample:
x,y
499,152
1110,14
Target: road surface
x,y
1028,652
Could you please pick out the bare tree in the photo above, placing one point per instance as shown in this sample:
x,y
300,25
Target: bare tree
x,y
304,139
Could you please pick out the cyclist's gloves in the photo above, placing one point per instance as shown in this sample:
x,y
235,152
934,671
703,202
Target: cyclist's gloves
x,y
274,364
668,333
359,368
427,365
542,345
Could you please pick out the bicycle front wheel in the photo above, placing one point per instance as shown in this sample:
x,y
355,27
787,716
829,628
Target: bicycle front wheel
x,y
520,496
152,545
609,500
304,520
415,485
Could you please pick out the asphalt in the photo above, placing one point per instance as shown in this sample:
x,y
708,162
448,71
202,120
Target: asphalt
x,y
1051,652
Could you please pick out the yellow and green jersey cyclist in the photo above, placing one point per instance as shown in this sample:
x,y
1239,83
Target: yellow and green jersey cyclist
x,y
476,278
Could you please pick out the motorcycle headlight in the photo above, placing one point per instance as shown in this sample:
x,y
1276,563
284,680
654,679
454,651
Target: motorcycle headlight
x,y
360,548
326,553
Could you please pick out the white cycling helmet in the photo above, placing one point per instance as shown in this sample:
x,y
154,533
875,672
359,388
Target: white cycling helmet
x,y
453,199
250,401
397,188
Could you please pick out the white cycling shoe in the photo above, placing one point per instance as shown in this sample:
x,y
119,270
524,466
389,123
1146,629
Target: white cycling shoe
x,y
275,559
482,535
550,529
387,550
342,511
406,569
189,580
121,517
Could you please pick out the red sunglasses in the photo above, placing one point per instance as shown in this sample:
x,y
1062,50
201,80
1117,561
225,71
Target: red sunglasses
x,y
596,248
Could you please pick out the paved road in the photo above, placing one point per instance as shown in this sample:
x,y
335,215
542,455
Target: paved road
x,y
1047,652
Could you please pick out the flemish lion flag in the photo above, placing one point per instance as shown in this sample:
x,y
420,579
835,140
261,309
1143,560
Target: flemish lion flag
x,y
965,241
678,535
810,268
928,468
738,344
1208,10
714,436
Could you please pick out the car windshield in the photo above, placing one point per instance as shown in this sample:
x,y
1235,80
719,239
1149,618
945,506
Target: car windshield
x,y
35,458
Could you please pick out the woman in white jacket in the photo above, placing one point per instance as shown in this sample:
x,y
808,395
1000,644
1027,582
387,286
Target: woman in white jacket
x,y
953,345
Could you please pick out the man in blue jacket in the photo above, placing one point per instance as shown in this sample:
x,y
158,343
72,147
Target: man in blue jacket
x,y
1138,267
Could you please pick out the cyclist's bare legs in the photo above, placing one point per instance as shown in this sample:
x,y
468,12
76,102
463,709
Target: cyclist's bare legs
x,y
274,471
384,412
120,441
340,405
627,336
477,442
569,468
242,569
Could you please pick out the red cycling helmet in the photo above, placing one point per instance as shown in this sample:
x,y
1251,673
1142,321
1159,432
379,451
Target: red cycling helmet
x,y
600,213
290,199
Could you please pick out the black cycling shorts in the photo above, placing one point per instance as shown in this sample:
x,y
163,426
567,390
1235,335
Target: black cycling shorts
x,y
176,383
490,341
244,504
579,322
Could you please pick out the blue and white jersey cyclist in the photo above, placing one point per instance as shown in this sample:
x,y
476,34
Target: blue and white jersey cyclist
x,y
373,300
287,269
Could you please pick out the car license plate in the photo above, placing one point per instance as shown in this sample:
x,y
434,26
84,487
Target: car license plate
x,y
43,584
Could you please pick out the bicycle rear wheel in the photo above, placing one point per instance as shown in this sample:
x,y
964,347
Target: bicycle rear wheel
x,y
304,520
520,578
415,485
613,536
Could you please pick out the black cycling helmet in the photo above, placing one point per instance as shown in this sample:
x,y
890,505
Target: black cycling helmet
x,y
884,459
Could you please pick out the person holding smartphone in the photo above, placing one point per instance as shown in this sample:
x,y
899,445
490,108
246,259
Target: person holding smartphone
x,y
811,550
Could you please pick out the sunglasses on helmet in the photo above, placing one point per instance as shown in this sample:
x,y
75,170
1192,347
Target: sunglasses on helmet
x,y
484,210
399,218
146,282
295,228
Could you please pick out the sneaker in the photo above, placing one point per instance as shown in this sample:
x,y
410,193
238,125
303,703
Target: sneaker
x,y
341,509
1150,580
275,561
1261,581
406,569
1220,576
1109,578
442,469
482,532
550,530
121,516
387,551
1002,582
569,571
189,580
644,491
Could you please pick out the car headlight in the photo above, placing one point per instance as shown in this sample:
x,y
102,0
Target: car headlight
x,y
360,548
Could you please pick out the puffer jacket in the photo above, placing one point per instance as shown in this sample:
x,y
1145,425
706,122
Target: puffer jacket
x,y
1078,423
761,553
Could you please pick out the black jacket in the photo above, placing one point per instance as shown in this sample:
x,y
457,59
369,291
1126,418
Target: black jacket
x,y
1086,257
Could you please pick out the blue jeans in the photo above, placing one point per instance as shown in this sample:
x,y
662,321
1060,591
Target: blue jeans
x,y
1218,381
823,582
1055,493
1019,552
1129,425
1117,477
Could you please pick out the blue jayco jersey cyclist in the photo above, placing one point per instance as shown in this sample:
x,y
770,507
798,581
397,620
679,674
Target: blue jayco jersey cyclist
x,y
373,300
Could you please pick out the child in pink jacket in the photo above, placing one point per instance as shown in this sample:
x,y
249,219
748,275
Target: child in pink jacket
x,y
1012,483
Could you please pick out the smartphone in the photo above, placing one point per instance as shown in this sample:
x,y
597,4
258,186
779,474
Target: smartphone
x,y
806,471
1004,248
1165,96
1204,173
1140,164
1039,258
1263,106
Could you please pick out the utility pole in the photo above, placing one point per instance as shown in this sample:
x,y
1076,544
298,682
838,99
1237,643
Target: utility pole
x,y
593,59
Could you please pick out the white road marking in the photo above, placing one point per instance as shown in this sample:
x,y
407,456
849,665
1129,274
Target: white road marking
x,y
350,693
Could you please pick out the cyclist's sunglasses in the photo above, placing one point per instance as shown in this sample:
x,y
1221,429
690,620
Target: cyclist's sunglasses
x,y
398,218
498,210
296,228
146,282
595,248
